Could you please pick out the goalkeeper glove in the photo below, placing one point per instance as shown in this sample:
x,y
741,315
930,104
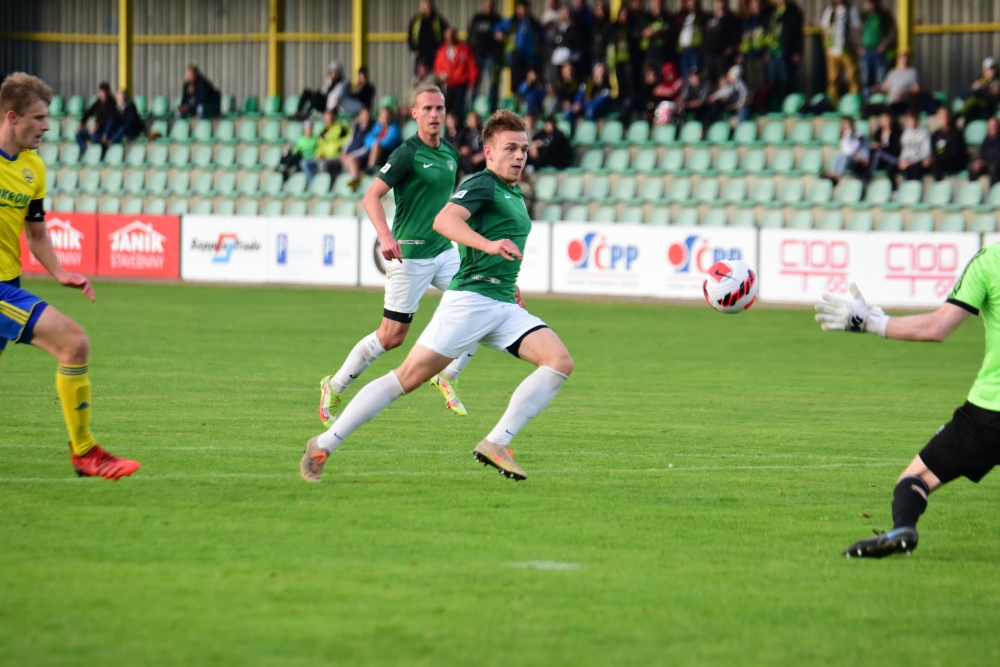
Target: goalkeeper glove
x,y
842,315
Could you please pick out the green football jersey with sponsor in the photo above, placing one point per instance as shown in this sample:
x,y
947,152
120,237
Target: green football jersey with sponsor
x,y
978,291
498,212
422,179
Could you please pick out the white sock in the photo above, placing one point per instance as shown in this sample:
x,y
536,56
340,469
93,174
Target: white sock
x,y
370,401
531,397
459,364
364,353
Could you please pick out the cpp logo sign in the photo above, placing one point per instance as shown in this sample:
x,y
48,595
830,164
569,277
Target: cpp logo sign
x,y
697,253
328,248
594,252
281,245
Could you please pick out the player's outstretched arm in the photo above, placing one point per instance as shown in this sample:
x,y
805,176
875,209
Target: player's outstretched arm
x,y
376,213
41,247
452,223
836,314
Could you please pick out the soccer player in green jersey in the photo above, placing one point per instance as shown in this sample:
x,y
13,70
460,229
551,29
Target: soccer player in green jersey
x,y
421,174
489,219
967,446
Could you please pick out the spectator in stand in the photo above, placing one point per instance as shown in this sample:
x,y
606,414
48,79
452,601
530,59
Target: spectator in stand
x,y
330,145
107,120
316,99
132,127
636,21
303,149
784,44
593,100
452,128
730,97
424,77
532,92
981,101
522,34
566,89
619,58
355,151
915,156
583,18
383,138
722,38
488,51
878,37
550,148
338,97
753,51
690,25
948,144
901,86
567,42
988,162
363,91
602,33
470,145
549,23
199,97
662,105
426,33
455,66
855,155
694,97
841,25
885,147
656,36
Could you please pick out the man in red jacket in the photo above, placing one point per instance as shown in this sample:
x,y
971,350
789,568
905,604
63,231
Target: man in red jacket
x,y
455,66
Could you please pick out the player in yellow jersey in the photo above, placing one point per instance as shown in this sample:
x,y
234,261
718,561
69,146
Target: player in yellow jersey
x,y
24,318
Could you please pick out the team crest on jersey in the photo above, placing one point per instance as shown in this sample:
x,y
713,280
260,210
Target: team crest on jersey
x,y
459,194
451,166
29,176
385,169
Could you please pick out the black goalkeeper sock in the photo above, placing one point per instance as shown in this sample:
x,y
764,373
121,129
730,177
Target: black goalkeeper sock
x,y
909,501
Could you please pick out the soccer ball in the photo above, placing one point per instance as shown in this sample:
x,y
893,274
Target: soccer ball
x,y
730,286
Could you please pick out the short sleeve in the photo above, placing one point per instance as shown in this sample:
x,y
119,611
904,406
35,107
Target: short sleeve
x,y
477,192
972,289
397,166
41,181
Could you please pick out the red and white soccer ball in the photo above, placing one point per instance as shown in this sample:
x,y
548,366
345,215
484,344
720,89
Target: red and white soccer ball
x,y
730,286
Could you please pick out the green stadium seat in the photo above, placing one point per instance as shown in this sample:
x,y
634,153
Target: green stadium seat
x,y
717,217
202,157
879,192
969,197
86,205
672,161
179,207
921,222
592,160
953,222
75,107
227,105
293,131
707,192
157,206
180,158
350,209
113,182
691,132
938,196
273,208
774,219
659,216
680,190
271,132
754,161
49,154
625,189
700,161
762,193
633,215
735,191
746,133
545,187
578,213
320,186
225,158
727,162
271,187
618,160
791,193
802,133
295,186
249,185
160,130
249,207
829,134
65,204
249,158
246,132
792,103
850,105
718,133
409,129
225,132
341,187
225,207
551,213
992,200
180,131
975,132
202,185
57,107
782,162
136,157
645,161
849,192
135,183
90,182
70,155
322,208
92,156
251,107
132,206
570,190
611,132
291,106
665,135
890,222
585,134
811,162
203,132
481,105
272,106
909,195
985,224
157,156
180,184
774,133
202,207
638,133
161,107
801,220
687,217
744,218
296,208
819,194
53,135
69,182
114,157
605,214
225,184
832,221
597,190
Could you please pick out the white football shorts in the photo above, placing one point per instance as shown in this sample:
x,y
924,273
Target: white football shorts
x,y
406,283
465,318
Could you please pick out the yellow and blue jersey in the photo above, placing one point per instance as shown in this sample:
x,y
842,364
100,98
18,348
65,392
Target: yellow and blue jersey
x,y
22,180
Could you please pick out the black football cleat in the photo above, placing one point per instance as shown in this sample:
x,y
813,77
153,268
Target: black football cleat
x,y
896,541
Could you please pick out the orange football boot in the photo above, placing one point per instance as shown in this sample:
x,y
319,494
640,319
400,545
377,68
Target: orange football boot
x,y
102,464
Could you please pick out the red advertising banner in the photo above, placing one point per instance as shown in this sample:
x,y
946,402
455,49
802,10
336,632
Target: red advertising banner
x,y
139,246
74,236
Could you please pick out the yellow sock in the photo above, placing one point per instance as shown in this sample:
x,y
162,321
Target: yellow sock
x,y
73,386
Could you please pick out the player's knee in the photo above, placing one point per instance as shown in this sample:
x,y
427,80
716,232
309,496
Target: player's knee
x,y
76,348
562,363
392,340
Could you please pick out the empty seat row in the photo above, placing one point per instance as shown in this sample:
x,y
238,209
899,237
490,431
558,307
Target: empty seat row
x,y
162,157
701,161
183,206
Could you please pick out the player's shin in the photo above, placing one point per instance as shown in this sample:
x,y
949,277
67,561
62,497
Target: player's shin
x,y
531,397
455,368
909,501
364,353
73,387
370,401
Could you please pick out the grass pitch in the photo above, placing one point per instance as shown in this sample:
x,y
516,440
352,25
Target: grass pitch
x,y
689,494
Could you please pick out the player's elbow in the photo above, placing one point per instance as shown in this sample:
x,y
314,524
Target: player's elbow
x,y
439,225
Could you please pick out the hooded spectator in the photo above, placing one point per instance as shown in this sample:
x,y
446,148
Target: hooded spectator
x,y
426,33
455,67
532,92
338,97
330,145
730,97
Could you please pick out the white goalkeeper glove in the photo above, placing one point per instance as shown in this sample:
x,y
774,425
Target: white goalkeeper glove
x,y
842,315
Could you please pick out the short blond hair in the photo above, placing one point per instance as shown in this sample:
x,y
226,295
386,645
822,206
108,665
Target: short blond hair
x,y
428,88
19,91
502,120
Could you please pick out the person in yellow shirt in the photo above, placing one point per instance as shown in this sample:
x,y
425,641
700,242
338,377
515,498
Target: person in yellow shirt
x,y
25,318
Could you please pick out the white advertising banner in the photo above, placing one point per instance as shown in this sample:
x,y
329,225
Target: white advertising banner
x,y
536,267
640,260
318,251
372,263
907,269
225,248
990,239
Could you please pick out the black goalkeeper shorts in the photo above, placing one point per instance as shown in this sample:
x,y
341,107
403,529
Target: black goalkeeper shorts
x,y
967,446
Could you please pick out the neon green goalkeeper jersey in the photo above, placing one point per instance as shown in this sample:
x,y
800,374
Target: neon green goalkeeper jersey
x,y
978,290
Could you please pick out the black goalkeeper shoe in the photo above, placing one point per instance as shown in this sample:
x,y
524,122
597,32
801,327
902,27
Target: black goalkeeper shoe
x,y
896,541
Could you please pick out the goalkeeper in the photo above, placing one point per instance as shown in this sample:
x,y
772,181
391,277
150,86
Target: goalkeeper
x,y
967,446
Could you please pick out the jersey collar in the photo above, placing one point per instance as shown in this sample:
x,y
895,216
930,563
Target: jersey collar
x,y
4,155
510,188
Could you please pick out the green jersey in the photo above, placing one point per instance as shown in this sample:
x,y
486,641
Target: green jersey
x,y
422,178
498,212
978,290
